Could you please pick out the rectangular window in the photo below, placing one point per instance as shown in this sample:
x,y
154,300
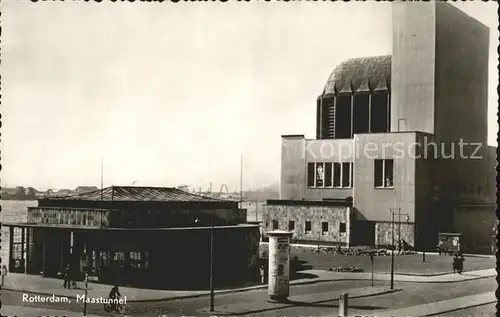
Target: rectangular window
x,y
384,173
275,225
308,226
343,117
361,113
346,174
135,260
320,175
380,112
328,175
342,175
291,225
324,227
310,174
342,227
337,174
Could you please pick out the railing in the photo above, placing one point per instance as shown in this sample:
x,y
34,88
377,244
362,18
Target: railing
x,y
69,216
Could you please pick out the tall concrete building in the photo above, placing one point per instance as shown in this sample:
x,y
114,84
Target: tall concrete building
x,y
401,142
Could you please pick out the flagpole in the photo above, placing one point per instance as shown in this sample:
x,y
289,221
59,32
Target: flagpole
x,y
102,176
241,182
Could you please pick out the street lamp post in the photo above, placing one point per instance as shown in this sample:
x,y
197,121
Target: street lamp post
x,y
392,251
86,293
212,266
212,231
392,211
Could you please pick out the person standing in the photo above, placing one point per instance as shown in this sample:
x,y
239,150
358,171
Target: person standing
x,y
66,277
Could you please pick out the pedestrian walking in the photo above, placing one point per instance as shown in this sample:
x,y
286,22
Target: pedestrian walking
x,y
455,263
262,274
461,260
66,276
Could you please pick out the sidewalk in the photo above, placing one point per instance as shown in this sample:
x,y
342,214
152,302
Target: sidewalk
x,y
254,307
441,307
437,278
32,311
323,246
50,286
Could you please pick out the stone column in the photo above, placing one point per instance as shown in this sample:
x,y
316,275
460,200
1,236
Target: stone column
x,y
279,265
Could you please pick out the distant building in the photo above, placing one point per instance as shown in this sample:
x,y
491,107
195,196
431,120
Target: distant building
x,y
388,137
85,189
143,236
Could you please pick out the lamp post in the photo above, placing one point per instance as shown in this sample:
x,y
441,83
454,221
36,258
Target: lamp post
x,y
392,250
212,295
86,292
398,211
212,266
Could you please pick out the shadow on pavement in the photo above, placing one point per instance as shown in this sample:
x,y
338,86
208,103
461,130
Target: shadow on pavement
x,y
296,266
325,305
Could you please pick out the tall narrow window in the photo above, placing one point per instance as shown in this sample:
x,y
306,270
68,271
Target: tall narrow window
x,y
324,228
361,113
308,226
328,175
346,174
389,173
352,174
291,225
343,117
310,174
337,174
320,174
384,173
342,227
379,115
275,225
318,119
342,175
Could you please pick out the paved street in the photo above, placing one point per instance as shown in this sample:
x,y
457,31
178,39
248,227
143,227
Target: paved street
x,y
411,294
406,264
479,311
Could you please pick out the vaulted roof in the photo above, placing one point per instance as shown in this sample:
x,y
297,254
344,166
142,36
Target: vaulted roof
x,y
360,74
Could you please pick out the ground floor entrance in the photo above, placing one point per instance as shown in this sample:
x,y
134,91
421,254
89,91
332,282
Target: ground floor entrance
x,y
142,258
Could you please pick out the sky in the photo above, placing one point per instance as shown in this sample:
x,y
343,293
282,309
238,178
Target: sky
x,y
169,94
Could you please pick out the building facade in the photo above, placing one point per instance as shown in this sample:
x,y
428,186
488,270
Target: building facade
x,y
141,236
402,136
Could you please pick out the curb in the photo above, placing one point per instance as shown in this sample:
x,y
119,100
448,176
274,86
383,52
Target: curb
x,y
221,292
204,310
454,310
241,290
315,246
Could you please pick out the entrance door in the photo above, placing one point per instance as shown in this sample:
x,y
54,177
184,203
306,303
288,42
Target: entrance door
x,y
17,248
363,233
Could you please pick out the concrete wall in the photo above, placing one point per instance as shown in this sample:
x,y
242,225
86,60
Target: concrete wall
x,y
425,219
403,230
461,75
373,204
477,224
412,72
293,181
297,152
316,215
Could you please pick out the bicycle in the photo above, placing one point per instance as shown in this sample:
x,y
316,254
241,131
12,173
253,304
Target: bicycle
x,y
117,307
